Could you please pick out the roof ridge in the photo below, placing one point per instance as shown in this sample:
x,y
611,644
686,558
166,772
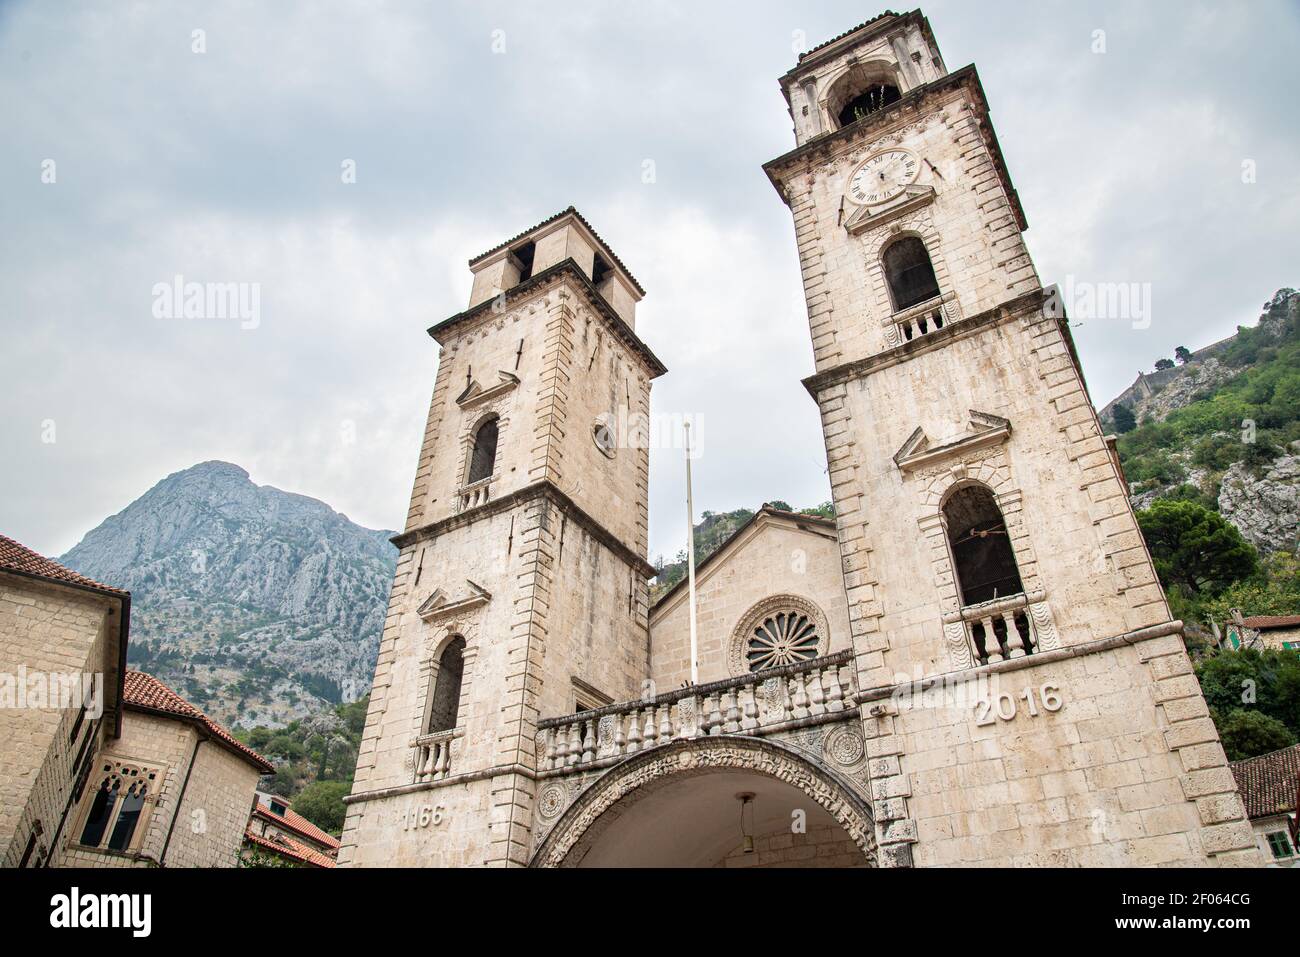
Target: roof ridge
x,y
167,701
546,222
17,557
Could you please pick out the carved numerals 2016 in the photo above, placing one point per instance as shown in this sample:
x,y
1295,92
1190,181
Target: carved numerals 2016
x,y
1005,706
424,815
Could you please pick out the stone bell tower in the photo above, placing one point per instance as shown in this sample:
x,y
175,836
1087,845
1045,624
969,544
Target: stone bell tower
x,y
521,583
985,531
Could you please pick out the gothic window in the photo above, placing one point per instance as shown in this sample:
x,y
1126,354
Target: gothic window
x,y
909,273
484,455
446,687
873,98
119,805
985,564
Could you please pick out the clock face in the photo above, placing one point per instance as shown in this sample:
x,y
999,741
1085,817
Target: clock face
x,y
883,176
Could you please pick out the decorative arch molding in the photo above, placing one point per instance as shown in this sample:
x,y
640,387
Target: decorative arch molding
x,y
737,647
835,92
463,625
919,224
990,467
582,824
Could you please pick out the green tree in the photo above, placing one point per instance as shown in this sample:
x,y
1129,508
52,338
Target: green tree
x,y
1164,364
1275,592
1246,734
1249,680
1194,548
1124,419
321,802
1183,354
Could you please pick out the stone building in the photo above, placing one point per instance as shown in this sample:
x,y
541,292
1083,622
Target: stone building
x,y
1270,787
989,676
1278,632
175,789
101,766
62,659
276,829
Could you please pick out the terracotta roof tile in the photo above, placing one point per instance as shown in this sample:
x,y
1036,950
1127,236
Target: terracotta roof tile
x,y
19,558
1272,621
147,692
836,39
287,847
296,822
1268,783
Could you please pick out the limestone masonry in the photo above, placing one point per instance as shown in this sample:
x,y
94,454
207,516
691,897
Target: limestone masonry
x,y
529,708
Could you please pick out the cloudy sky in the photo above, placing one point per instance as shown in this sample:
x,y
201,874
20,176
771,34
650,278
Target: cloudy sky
x,y
467,123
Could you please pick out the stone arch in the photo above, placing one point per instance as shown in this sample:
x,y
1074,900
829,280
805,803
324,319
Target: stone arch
x,y
736,646
581,825
464,628
852,80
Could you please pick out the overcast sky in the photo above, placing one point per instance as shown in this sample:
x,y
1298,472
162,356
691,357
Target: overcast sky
x,y
468,123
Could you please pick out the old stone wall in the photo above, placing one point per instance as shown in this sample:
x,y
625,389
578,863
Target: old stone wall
x,y
46,629
774,557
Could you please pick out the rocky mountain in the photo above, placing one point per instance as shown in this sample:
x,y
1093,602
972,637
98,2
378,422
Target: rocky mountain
x,y
1223,428
260,606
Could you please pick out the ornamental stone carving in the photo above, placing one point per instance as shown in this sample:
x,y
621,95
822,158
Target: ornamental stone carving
x,y
582,823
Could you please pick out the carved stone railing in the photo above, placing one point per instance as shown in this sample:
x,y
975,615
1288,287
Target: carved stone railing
x,y
474,494
924,318
810,692
1000,629
433,755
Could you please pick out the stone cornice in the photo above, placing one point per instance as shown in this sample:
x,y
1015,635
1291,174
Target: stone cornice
x,y
544,280
832,145
858,368
542,489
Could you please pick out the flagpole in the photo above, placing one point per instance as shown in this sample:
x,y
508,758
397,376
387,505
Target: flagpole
x,y
690,559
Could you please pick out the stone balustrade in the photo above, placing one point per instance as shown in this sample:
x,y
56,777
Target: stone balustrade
x,y
1000,629
474,494
433,755
810,692
925,317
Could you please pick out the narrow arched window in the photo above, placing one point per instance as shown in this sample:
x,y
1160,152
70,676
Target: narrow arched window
x,y
446,687
484,456
981,549
909,273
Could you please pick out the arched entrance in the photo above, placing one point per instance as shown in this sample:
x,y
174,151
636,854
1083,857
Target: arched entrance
x,y
680,806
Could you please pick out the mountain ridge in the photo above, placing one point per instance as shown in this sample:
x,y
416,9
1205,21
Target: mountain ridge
x,y
258,604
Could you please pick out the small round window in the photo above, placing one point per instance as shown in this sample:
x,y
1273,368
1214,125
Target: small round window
x,y
603,435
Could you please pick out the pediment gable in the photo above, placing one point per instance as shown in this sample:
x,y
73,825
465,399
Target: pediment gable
x,y
441,604
911,199
475,392
983,428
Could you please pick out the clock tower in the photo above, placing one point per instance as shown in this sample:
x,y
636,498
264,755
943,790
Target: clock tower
x,y
1025,696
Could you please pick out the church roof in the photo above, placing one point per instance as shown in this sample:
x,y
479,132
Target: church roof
x,y
144,692
1268,783
766,512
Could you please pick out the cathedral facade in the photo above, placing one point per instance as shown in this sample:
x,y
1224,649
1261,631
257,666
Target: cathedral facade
x,y
973,664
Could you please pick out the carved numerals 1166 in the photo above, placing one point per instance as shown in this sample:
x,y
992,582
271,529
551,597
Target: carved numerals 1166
x,y
1005,706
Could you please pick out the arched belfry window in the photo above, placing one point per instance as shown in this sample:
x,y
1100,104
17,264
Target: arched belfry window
x,y
981,548
446,687
875,97
484,456
909,273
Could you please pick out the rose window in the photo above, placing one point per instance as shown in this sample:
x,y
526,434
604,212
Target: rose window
x,y
783,638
